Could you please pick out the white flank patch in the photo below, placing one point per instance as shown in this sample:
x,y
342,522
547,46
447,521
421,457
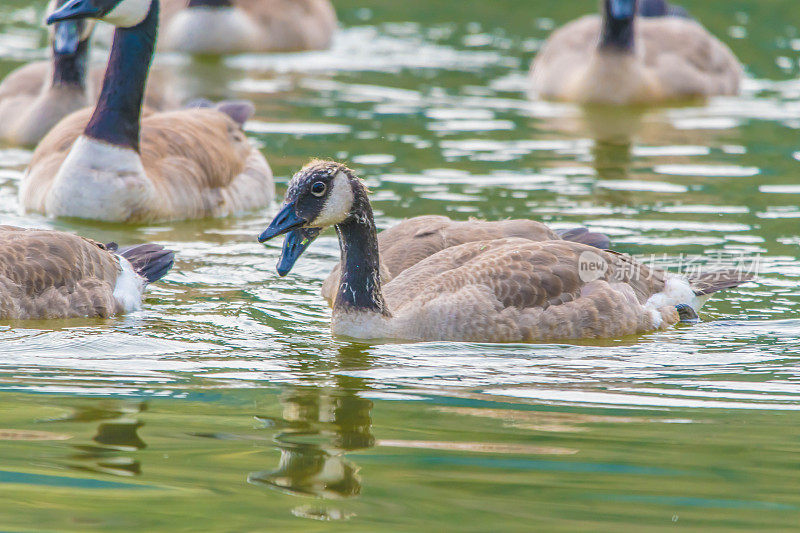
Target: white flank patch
x,y
129,288
677,290
337,204
98,181
128,13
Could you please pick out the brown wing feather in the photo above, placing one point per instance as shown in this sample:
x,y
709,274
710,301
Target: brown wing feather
x,y
515,289
51,274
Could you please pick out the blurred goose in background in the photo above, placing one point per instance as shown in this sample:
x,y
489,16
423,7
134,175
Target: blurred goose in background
x,y
412,240
619,58
190,163
218,27
34,97
52,274
496,290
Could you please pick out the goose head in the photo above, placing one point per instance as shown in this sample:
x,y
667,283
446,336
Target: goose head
x,y
322,194
617,30
120,13
68,35
620,10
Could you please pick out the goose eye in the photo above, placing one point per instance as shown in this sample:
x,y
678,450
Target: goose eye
x,y
318,189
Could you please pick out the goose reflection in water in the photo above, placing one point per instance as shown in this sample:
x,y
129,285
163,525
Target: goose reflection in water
x,y
116,434
318,426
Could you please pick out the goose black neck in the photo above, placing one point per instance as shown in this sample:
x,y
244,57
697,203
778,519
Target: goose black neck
x,y
210,3
617,35
360,283
116,116
69,70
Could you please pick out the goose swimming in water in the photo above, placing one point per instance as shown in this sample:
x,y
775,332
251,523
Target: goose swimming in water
x,y
621,58
505,289
112,164
48,274
217,27
36,96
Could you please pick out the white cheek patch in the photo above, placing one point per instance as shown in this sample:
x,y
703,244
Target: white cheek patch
x,y
88,28
337,204
128,13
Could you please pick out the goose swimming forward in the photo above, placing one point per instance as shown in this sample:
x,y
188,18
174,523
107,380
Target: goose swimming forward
x,y
621,58
48,274
114,164
505,289
216,27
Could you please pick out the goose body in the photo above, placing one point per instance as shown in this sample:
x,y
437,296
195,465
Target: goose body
x,y
112,164
238,26
621,58
506,289
51,274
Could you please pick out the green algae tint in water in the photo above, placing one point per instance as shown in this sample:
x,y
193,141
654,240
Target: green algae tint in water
x,y
226,406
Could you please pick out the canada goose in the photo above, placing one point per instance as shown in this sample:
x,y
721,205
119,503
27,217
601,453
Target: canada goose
x,y
190,163
236,26
412,240
52,274
34,97
498,290
619,58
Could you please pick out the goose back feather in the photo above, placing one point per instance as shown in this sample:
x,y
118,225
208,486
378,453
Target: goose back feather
x,y
51,274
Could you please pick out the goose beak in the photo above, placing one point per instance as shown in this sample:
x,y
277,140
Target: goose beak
x,y
67,38
294,245
285,221
74,9
622,9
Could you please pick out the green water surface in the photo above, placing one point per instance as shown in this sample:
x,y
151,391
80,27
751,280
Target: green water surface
x,y
226,405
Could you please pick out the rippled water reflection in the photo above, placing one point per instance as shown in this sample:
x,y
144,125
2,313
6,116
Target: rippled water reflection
x,y
225,404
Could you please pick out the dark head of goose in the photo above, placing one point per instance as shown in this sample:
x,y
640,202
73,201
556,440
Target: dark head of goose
x,y
322,194
309,191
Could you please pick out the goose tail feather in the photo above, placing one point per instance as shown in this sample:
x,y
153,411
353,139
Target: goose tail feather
x,y
710,282
584,236
151,261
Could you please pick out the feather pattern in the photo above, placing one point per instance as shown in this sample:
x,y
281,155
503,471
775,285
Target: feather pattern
x,y
51,274
673,58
